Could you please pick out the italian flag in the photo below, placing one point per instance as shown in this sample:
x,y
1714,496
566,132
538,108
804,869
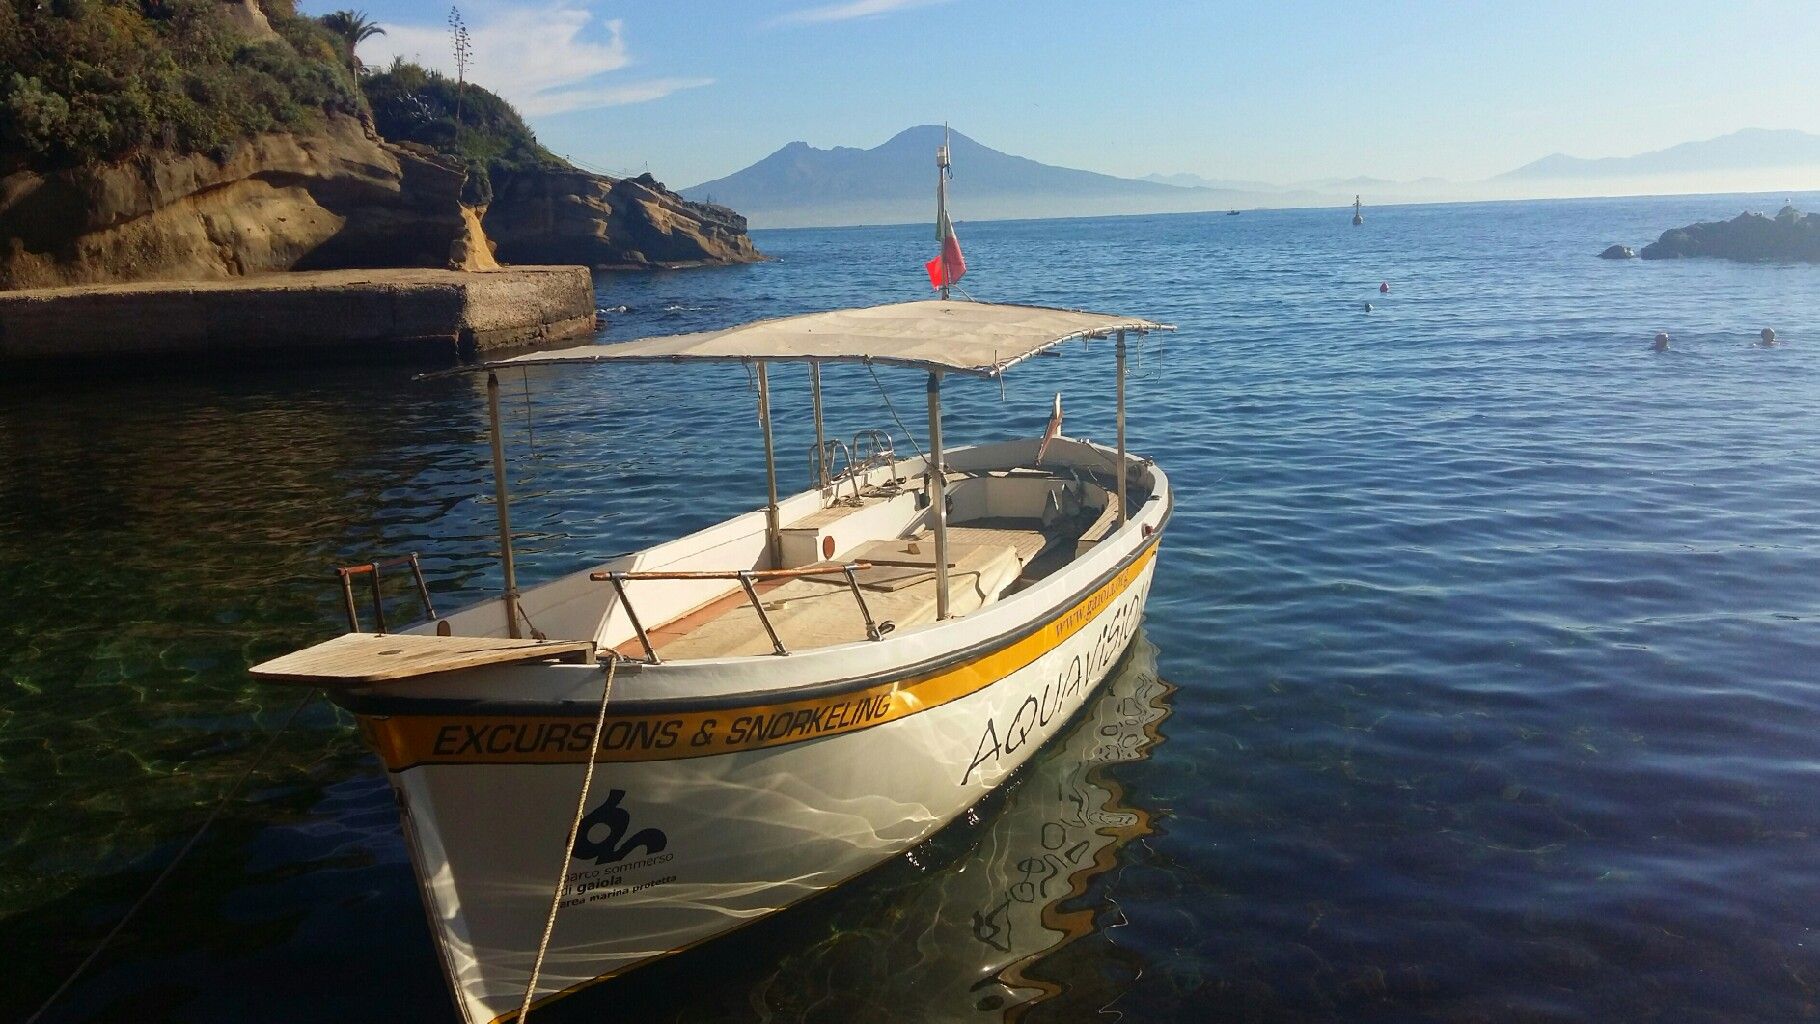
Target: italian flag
x,y
950,266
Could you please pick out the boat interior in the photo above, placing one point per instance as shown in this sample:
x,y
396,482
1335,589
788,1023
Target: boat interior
x,y
853,560
878,546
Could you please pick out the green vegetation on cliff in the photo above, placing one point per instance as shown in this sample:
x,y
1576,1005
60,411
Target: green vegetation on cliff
x,y
415,104
89,80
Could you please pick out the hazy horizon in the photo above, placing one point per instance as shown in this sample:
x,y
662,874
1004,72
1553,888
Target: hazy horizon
x,y
800,186
1313,91
1804,199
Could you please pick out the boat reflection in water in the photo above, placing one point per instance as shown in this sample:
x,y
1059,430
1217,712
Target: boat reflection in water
x,y
967,926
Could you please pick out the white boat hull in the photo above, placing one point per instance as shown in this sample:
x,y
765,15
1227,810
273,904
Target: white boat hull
x,y
727,789
680,849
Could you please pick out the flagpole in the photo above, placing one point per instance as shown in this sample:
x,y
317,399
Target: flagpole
x,y
941,203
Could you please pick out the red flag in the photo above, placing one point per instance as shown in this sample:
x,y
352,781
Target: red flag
x,y
950,266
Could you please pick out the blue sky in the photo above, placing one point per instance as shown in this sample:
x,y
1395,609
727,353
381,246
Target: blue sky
x,y
695,89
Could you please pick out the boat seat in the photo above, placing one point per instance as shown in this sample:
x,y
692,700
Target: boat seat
x,y
819,611
1029,537
1102,527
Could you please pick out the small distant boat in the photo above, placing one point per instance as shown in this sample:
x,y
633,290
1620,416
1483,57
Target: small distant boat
x,y
1358,215
1233,213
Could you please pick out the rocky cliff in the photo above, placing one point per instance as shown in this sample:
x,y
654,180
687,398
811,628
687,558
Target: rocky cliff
x,y
197,140
332,197
1789,237
567,215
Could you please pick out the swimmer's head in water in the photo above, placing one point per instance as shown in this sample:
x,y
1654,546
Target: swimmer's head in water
x,y
1769,336
1661,341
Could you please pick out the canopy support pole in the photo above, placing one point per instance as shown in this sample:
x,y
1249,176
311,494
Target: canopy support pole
x,y
502,506
815,400
774,534
1121,416
938,494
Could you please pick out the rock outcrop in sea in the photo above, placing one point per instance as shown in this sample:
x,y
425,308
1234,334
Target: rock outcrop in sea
x,y
1789,237
1618,252
567,215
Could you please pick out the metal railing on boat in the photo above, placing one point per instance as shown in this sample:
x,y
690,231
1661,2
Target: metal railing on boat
x,y
371,571
748,578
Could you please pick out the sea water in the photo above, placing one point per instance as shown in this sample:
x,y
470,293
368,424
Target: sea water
x,y
1493,636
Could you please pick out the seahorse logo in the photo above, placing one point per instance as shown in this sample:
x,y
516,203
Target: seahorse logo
x,y
611,850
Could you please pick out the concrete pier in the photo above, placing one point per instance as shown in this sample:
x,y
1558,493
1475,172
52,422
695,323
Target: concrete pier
x,y
405,316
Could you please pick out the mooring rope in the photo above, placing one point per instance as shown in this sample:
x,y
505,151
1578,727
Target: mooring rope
x,y
581,810
158,882
882,393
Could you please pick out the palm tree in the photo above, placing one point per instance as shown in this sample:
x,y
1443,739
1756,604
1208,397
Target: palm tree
x,y
353,26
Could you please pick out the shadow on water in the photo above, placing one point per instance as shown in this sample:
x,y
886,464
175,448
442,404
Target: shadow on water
x,y
1008,914
253,925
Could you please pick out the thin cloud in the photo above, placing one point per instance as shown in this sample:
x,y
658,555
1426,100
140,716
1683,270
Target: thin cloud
x,y
850,10
547,59
562,101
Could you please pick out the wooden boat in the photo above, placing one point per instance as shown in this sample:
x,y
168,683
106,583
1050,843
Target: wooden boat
x,y
632,759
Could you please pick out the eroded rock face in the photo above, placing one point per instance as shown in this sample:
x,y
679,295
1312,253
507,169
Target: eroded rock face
x,y
248,19
329,199
1790,237
572,216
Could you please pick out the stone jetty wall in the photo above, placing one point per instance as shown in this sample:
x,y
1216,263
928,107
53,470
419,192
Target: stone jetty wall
x,y
405,315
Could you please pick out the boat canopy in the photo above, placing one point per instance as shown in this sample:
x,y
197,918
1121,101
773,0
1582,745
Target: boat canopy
x,y
980,338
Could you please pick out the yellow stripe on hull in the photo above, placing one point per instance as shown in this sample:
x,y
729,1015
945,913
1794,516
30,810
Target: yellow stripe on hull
x,y
407,741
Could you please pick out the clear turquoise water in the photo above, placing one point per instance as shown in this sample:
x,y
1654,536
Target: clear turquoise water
x,y
1494,633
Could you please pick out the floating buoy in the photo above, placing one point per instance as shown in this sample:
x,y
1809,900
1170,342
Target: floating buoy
x,y
1661,341
1383,287
1769,337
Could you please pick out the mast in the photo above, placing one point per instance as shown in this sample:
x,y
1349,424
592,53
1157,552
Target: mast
x,y
943,171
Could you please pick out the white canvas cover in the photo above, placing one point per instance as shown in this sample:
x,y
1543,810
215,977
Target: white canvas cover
x,y
981,338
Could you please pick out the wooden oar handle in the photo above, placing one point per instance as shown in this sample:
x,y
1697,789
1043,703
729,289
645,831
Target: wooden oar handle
x,y
751,574
375,566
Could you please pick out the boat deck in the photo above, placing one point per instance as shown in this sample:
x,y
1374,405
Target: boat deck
x,y
359,659
986,559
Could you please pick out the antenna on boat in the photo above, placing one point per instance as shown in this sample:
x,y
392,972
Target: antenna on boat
x,y
943,228
949,265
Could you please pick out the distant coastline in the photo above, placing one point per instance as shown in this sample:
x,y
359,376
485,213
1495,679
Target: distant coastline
x,y
1768,200
802,186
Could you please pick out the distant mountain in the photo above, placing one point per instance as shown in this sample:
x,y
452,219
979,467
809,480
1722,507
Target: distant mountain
x,y
894,182
800,185
1747,150
1196,181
